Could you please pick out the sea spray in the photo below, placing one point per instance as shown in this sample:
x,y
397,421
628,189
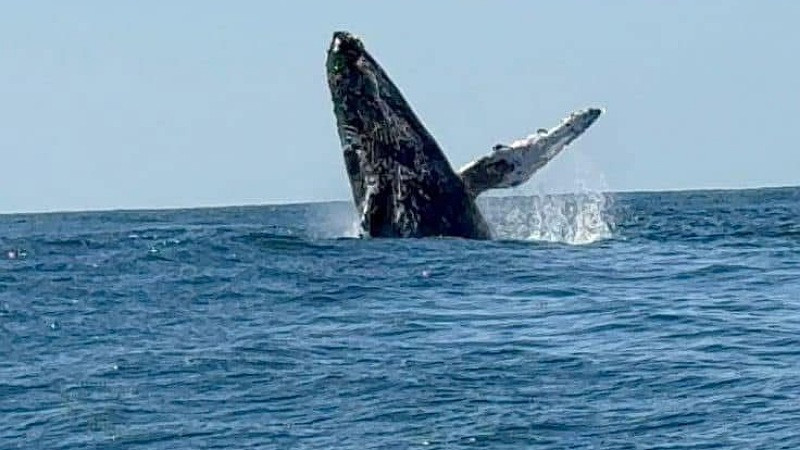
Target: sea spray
x,y
330,220
579,218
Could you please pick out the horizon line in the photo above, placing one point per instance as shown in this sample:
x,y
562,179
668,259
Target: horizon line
x,y
312,202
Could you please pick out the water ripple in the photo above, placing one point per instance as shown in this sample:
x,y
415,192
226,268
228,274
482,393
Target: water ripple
x,y
265,327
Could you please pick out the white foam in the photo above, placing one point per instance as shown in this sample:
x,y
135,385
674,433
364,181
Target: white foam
x,y
583,216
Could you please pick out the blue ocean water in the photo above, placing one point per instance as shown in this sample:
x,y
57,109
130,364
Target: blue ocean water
x,y
674,324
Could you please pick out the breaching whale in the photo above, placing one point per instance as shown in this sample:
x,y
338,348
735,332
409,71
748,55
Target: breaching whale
x,y
402,184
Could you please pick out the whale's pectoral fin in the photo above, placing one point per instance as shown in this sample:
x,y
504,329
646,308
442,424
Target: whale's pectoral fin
x,y
487,172
511,165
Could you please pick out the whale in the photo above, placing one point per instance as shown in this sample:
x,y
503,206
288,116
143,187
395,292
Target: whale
x,y
402,184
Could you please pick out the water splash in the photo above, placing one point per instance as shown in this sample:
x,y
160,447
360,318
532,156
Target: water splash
x,y
530,213
580,218
354,229
576,219
334,220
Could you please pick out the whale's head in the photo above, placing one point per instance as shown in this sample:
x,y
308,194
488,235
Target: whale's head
x,y
362,93
344,52
377,128
402,183
365,100
352,74
353,84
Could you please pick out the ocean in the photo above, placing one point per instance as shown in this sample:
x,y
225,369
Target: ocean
x,y
593,321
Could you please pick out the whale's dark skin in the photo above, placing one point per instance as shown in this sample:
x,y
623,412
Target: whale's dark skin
x,y
403,186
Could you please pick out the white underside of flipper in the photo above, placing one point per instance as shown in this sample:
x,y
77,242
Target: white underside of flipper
x,y
513,164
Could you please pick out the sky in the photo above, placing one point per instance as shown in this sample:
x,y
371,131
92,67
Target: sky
x,y
152,104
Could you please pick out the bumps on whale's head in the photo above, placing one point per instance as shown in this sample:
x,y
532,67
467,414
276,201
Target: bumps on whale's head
x,y
345,49
344,42
353,76
345,63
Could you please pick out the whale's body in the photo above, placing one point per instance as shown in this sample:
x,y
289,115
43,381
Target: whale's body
x,y
402,184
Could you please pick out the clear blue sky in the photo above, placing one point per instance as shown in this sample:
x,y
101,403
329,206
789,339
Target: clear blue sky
x,y
191,103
